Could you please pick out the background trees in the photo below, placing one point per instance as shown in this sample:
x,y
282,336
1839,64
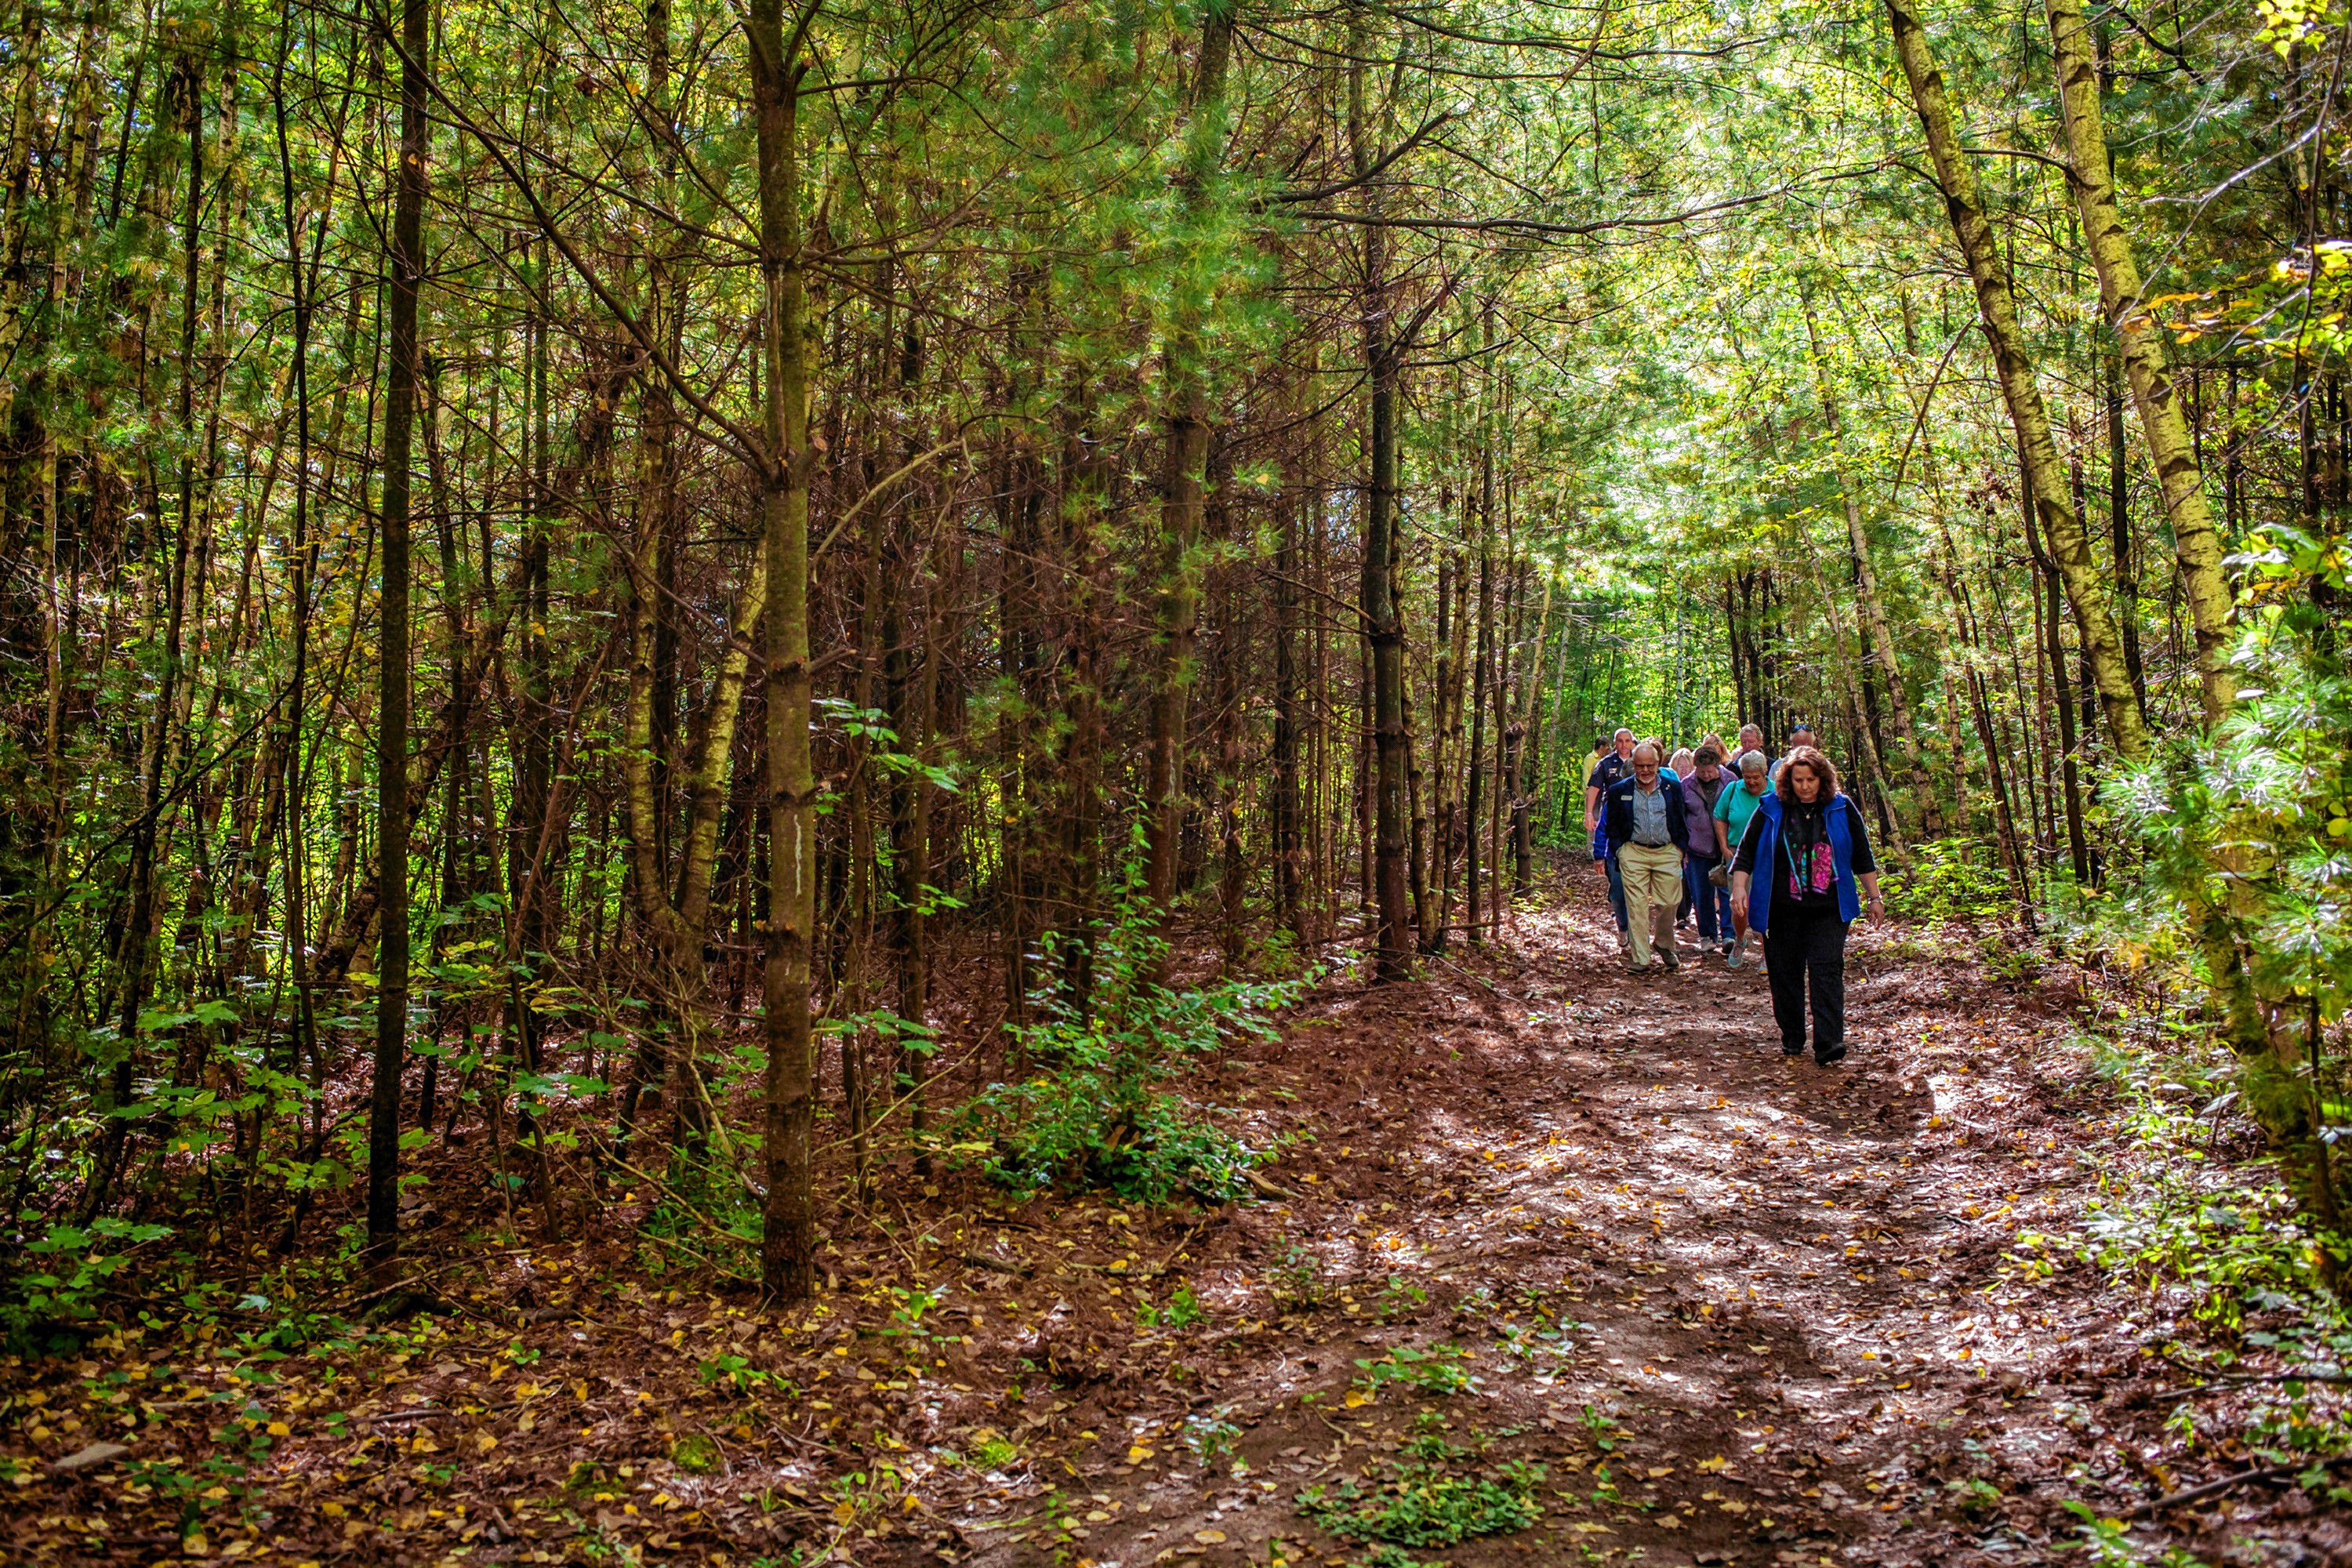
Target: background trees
x,y
868,464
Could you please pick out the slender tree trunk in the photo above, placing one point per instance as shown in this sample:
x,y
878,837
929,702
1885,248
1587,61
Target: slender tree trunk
x,y
1384,633
2122,298
1289,894
788,1243
1187,424
391,715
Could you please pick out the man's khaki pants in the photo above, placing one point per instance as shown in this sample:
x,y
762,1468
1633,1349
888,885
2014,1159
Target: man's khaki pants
x,y
1653,888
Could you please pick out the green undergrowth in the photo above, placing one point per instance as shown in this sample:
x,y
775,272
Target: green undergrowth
x,y
1434,1492
1102,1104
2246,1292
1950,879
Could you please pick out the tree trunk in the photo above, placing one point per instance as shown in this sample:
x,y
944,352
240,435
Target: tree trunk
x,y
788,1242
1186,422
391,715
2196,545
2087,590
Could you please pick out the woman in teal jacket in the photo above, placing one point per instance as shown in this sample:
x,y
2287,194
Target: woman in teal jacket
x,y
1803,869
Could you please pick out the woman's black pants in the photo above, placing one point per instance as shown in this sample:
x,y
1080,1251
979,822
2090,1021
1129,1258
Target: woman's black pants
x,y
1801,944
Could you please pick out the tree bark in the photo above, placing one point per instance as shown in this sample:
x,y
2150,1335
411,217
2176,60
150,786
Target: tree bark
x,y
788,1240
2196,545
2086,589
1186,422
391,715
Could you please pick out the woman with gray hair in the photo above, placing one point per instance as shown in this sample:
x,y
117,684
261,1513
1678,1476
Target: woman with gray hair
x,y
1733,807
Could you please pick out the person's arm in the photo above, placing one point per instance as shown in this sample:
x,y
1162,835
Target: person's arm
x,y
1722,815
1743,867
1865,865
1592,800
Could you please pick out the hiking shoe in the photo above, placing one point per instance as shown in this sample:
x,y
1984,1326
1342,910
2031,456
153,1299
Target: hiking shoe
x,y
1731,958
1796,1050
1672,959
1830,1056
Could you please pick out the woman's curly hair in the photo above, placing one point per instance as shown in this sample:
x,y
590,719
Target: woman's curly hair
x,y
1807,757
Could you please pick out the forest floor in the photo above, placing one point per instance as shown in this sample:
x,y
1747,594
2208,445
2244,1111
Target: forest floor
x,y
1572,1256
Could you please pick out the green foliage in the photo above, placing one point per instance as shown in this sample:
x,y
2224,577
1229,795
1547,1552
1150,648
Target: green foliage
x,y
1950,879
1210,1436
1293,1282
2249,835
696,1453
737,1372
76,1265
1181,1312
1428,1501
1440,1369
1096,1114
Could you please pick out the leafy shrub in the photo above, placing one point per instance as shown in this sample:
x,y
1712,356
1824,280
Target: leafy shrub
x,y
2247,832
1097,1113
74,1264
1950,879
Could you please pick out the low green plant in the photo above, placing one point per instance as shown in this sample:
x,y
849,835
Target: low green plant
x,y
695,1453
1440,1369
1400,1296
1599,1425
75,1265
1293,1282
1097,1110
1181,1310
906,1319
741,1375
1211,1437
1973,1495
1413,1502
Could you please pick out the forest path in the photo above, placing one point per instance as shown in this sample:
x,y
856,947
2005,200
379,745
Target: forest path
x,y
1723,1297
1739,1309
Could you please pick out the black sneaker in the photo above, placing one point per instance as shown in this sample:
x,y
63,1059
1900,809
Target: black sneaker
x,y
1789,1050
1830,1056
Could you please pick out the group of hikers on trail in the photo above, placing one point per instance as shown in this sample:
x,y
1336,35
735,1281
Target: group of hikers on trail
x,y
1741,843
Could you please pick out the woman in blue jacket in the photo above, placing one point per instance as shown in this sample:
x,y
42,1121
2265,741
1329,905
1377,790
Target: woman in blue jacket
x,y
1795,880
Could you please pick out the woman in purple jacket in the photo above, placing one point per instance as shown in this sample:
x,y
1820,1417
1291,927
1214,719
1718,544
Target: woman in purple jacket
x,y
1700,788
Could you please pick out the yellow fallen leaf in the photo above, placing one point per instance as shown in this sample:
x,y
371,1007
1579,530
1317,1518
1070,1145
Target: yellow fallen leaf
x,y
1586,1527
1356,1396
1209,1537
1137,1453
1716,1466
278,1429
1657,1471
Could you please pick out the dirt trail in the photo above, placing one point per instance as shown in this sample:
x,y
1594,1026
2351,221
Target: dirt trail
x,y
1723,1297
1739,1308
